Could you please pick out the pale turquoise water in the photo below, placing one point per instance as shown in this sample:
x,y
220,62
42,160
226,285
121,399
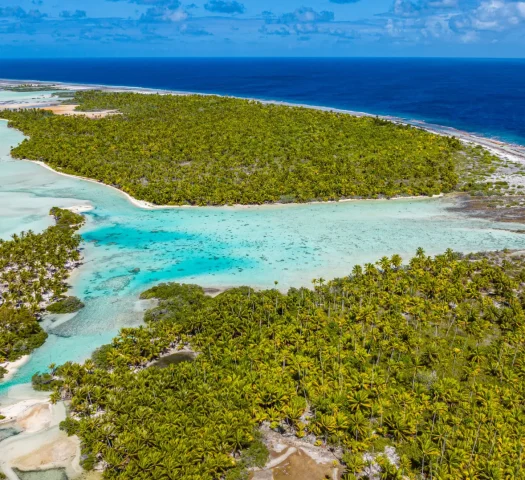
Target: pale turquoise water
x,y
52,474
8,99
127,249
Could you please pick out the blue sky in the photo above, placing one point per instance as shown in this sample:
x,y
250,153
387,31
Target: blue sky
x,y
94,28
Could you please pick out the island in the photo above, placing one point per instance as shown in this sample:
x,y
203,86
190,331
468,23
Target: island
x,y
408,371
211,150
33,270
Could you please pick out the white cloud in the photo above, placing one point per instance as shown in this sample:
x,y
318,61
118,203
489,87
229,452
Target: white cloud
x,y
498,15
176,16
454,20
469,37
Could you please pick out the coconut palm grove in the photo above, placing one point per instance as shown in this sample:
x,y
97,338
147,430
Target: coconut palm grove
x,y
209,150
408,369
33,272
427,358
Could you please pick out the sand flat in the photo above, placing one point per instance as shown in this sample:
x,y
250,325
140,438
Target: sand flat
x,y
70,110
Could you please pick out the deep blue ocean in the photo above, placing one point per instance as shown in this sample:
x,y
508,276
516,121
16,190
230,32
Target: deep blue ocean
x,y
480,96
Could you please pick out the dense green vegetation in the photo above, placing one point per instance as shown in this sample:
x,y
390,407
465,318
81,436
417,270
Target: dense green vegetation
x,y
33,270
208,150
66,305
20,334
66,218
427,358
29,87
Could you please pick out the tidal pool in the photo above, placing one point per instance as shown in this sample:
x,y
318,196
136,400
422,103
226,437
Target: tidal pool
x,y
128,249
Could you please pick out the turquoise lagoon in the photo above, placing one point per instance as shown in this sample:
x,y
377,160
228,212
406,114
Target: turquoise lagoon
x,y
127,249
10,99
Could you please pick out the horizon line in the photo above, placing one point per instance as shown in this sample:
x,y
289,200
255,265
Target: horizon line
x,y
372,57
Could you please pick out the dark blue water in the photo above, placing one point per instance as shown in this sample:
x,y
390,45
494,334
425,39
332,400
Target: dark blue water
x,y
481,96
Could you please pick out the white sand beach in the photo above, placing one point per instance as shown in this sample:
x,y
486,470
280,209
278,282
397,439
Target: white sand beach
x,y
12,367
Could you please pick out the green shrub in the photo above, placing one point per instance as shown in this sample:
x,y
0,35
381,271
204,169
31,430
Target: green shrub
x,y
66,218
66,305
44,382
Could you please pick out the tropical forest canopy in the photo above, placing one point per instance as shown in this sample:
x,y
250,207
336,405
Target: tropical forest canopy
x,y
210,150
33,270
427,358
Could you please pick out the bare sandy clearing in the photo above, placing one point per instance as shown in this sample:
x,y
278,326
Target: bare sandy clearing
x,y
35,418
70,110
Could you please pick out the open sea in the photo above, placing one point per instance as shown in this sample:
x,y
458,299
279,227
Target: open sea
x,y
481,96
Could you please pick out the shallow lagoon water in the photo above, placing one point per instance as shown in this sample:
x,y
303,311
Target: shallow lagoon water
x,y
8,98
128,249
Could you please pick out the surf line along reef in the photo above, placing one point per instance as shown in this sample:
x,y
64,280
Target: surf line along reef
x,y
403,370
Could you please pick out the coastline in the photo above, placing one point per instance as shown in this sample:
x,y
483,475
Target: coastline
x,y
71,266
39,445
471,137
506,151
137,203
13,367
150,206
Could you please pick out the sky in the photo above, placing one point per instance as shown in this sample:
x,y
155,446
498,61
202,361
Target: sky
x,y
269,28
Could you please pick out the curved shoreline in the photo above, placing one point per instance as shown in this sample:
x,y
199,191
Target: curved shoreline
x,y
145,205
508,151
13,367
150,206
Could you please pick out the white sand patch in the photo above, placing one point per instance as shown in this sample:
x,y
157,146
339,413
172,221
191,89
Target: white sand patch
x,y
59,453
13,367
41,445
36,418
80,208
16,410
280,459
275,442
279,447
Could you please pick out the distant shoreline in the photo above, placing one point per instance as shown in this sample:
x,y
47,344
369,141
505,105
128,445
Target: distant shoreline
x,y
508,151
470,137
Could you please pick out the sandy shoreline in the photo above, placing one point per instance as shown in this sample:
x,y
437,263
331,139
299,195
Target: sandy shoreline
x,y
132,200
150,206
13,367
507,151
40,444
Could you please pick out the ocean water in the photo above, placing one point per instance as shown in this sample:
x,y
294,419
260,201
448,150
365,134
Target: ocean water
x,y
127,249
477,95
